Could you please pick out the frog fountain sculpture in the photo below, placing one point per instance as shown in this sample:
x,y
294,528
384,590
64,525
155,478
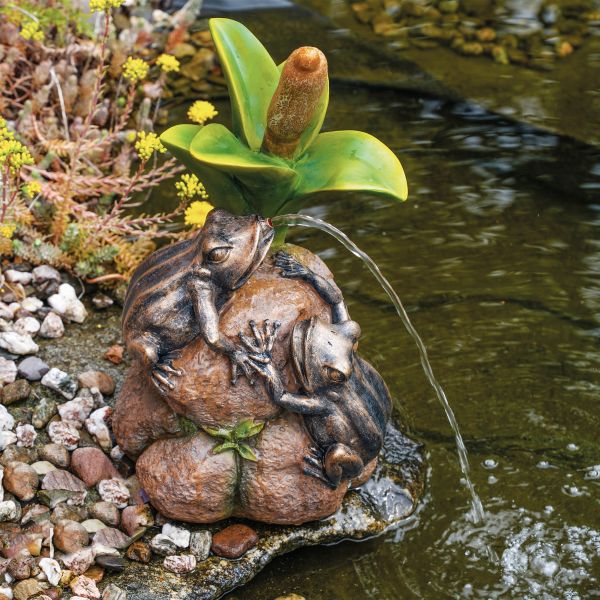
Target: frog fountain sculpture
x,y
283,443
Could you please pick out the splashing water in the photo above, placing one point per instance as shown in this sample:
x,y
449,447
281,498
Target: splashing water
x,y
478,512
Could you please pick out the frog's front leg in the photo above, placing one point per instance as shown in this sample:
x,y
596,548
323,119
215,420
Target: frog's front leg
x,y
203,294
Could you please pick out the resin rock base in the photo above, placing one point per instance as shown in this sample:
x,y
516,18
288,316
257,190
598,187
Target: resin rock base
x,y
388,498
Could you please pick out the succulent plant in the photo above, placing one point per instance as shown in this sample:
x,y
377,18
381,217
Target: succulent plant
x,y
275,156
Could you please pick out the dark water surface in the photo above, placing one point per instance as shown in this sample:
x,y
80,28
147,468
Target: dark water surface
x,y
497,257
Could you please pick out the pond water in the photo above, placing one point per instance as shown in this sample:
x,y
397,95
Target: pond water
x,y
496,256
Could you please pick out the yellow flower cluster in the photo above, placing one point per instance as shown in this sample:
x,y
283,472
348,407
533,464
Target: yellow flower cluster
x,y
12,153
135,69
7,230
32,31
32,188
189,186
103,5
167,63
147,143
197,212
201,111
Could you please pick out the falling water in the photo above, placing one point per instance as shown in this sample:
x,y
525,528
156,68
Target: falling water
x,y
306,221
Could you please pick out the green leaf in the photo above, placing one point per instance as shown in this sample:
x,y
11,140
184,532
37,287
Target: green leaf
x,y
221,188
215,146
314,127
224,447
246,452
251,75
221,432
247,428
350,161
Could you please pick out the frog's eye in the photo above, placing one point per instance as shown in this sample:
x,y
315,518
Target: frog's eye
x,y
218,255
334,375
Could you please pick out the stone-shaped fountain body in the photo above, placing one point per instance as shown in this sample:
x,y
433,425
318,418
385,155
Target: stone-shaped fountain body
x,y
245,396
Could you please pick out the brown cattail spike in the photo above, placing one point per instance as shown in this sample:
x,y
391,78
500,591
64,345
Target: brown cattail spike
x,y
293,105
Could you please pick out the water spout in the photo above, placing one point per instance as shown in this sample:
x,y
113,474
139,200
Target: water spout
x,y
478,512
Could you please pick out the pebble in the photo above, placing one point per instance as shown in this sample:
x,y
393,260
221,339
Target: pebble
x,y
27,326
179,535
20,567
113,592
25,436
64,434
60,382
60,479
5,312
51,570
52,327
45,273
27,589
8,370
85,587
115,491
92,466
57,454
66,304
76,410
43,411
140,552
107,512
134,518
19,454
183,563
79,562
95,573
6,439
43,467
32,368
7,421
234,541
114,354
97,426
72,513
102,301
111,563
163,545
200,542
16,343
98,379
9,511
112,538
15,392
31,304
70,536
14,276
93,526
21,480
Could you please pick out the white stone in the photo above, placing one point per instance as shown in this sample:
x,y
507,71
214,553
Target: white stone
x,y
7,592
8,371
52,327
96,426
27,326
22,277
8,511
6,439
16,343
31,304
64,433
60,382
7,421
5,312
93,525
45,273
1,486
51,570
14,307
179,535
116,453
115,491
43,467
78,409
67,304
26,436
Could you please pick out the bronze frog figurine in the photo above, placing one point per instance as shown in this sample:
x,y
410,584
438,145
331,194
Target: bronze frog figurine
x,y
177,293
344,401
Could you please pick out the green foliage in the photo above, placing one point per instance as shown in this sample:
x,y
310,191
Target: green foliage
x,y
232,437
240,176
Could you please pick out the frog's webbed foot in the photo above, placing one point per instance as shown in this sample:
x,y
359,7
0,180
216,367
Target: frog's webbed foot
x,y
290,267
241,362
260,346
163,371
314,467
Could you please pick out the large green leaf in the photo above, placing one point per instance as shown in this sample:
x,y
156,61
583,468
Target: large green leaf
x,y
214,145
222,189
350,161
251,75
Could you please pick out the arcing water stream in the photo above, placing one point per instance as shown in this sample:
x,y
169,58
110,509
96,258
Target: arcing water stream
x,y
478,512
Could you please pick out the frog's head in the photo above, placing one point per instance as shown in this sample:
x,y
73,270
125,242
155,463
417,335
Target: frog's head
x,y
232,247
323,352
